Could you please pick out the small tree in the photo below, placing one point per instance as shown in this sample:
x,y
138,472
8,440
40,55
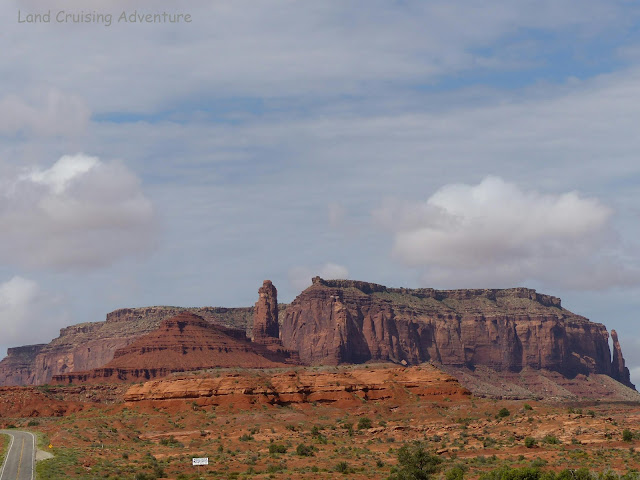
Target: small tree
x,y
415,463
305,450
364,423
503,412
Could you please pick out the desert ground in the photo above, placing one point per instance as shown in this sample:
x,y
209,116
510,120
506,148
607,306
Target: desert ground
x,y
95,433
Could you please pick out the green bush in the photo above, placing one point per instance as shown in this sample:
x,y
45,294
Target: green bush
x,y
627,435
415,463
456,472
551,440
171,441
277,448
342,467
530,442
303,450
503,412
364,423
533,473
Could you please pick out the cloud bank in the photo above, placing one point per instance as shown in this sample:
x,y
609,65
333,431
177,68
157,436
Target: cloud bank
x,y
80,213
27,314
496,234
48,113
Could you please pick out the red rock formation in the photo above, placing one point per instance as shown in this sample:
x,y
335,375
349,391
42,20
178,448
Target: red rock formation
x,y
338,321
265,320
618,369
17,366
342,387
182,343
90,345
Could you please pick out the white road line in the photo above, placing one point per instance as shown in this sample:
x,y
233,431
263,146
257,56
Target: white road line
x,y
33,456
8,452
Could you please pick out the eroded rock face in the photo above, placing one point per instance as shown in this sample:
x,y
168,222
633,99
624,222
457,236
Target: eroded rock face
x,y
341,388
618,369
336,321
182,343
265,323
17,366
90,345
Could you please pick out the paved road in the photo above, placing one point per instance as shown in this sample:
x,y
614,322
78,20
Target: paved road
x,y
20,457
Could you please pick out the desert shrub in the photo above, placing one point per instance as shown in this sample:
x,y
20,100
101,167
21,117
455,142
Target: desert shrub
x,y
364,423
506,473
275,468
415,463
551,440
33,423
489,442
530,442
503,412
245,437
456,472
342,467
171,441
277,448
627,435
303,450
527,406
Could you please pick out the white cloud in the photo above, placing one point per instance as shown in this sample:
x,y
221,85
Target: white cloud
x,y
46,113
300,277
27,314
496,233
79,213
62,172
275,48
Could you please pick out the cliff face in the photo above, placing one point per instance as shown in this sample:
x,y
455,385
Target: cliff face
x,y
336,321
342,387
181,343
90,345
17,366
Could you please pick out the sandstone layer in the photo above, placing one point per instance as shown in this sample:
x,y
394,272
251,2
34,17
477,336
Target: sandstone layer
x,y
91,345
182,343
338,321
341,387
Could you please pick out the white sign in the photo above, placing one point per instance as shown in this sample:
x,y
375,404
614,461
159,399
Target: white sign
x,y
200,461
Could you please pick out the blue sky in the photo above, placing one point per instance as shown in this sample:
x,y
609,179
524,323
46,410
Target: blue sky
x,y
408,143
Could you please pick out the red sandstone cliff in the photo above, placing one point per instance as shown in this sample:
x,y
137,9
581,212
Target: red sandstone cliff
x,y
90,345
17,366
336,321
342,321
341,387
182,343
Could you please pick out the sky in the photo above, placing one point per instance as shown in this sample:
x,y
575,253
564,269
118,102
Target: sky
x,y
407,143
